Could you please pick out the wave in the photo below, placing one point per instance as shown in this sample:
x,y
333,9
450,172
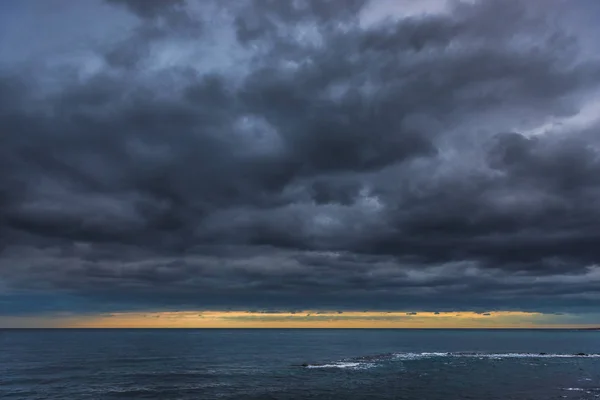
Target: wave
x,y
366,362
586,390
410,356
342,365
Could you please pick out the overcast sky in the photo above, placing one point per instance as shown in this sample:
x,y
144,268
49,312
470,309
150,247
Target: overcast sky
x,y
308,154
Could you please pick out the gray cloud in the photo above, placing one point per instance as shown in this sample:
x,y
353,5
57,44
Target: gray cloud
x,y
289,155
161,20
150,8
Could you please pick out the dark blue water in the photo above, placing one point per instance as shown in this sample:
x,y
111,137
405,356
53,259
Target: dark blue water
x,y
266,364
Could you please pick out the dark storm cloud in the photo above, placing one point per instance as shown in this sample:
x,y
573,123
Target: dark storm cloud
x,y
270,19
160,20
292,155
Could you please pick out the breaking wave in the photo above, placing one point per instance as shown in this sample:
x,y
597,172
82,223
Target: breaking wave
x,y
343,365
366,362
409,356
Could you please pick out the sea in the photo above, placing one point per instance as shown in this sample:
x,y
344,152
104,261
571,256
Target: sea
x,y
299,364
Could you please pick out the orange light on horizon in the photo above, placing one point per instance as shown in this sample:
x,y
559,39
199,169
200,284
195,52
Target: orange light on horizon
x,y
303,319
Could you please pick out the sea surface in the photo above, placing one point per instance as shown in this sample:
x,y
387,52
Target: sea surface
x,y
268,364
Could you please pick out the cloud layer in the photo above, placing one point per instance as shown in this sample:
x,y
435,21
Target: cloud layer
x,y
303,154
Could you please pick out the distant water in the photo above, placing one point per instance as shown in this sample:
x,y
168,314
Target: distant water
x,y
266,364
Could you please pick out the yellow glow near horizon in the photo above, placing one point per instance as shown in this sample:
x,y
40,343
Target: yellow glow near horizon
x,y
304,319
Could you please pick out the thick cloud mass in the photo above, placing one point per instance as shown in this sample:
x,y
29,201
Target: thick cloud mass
x,y
298,154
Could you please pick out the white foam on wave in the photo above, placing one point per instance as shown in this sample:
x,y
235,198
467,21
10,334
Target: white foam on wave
x,y
416,356
373,361
343,365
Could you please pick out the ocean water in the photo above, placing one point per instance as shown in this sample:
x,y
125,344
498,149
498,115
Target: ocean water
x,y
268,364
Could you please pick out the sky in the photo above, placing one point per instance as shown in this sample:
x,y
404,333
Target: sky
x,y
305,163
